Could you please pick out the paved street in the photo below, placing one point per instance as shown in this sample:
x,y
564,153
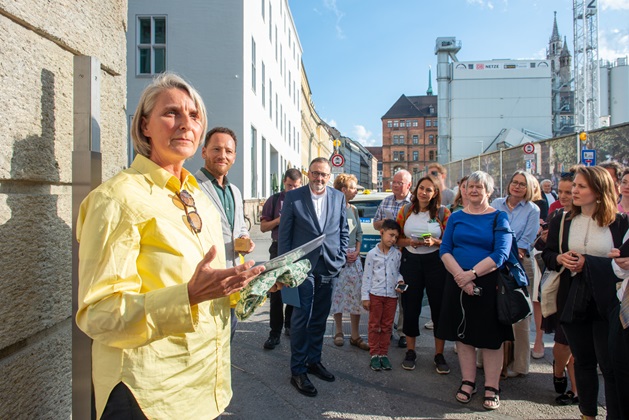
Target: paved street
x,y
262,389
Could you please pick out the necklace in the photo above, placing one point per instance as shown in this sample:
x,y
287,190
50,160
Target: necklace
x,y
511,207
586,238
469,210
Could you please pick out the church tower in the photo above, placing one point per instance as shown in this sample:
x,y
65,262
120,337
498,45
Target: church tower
x,y
562,91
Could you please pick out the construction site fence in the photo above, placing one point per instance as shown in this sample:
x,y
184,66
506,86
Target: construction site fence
x,y
549,159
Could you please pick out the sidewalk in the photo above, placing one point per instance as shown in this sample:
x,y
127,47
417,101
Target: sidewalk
x,y
260,379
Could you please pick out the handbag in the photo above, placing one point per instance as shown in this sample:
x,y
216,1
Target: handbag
x,y
512,298
550,282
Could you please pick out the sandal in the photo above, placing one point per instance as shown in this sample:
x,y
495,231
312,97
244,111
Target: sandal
x,y
567,399
467,395
359,343
493,402
339,339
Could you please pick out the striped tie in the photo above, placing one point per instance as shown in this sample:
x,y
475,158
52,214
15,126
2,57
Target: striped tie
x,y
624,309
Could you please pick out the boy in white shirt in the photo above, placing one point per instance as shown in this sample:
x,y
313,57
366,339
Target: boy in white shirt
x,y
379,293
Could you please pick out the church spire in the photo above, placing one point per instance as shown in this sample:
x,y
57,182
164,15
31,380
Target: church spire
x,y
429,91
555,36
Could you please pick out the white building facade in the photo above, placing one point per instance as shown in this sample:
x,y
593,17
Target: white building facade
x,y
244,58
489,96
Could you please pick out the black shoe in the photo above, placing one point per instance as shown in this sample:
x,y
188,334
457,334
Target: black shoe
x,y
567,399
303,385
320,372
409,360
271,342
441,365
402,342
287,331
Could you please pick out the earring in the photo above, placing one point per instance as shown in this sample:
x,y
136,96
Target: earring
x,y
598,201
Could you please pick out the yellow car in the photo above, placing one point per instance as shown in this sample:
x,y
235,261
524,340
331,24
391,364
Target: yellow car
x,y
367,204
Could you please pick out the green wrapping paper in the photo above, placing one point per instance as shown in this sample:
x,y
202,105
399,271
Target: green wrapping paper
x,y
254,294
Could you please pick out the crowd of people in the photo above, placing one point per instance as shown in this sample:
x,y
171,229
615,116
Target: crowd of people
x,y
161,263
452,254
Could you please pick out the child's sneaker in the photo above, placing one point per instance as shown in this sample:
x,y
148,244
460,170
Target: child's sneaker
x,y
409,360
375,363
385,363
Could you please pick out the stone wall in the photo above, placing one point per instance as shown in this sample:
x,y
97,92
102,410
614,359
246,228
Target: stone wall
x,y
38,42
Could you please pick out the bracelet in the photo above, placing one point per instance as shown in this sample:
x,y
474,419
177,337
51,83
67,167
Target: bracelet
x,y
474,272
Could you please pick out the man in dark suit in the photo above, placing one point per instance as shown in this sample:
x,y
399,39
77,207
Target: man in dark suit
x,y
309,212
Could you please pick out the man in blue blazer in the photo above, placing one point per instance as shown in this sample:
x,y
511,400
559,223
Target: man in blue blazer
x,y
309,212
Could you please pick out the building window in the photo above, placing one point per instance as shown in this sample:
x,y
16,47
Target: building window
x,y
253,64
270,99
428,123
262,4
415,123
415,170
431,139
401,139
435,123
415,155
263,85
396,156
389,124
395,124
151,58
415,139
270,22
395,139
254,160
408,123
431,155
402,156
401,123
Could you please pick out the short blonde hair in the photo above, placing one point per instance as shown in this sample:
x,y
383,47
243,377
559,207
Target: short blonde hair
x,y
164,81
343,180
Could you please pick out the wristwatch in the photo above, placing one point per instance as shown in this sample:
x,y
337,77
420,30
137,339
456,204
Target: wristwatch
x,y
474,272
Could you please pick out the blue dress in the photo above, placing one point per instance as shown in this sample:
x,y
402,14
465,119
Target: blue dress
x,y
473,320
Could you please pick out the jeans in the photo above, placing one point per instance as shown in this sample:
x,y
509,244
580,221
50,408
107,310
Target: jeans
x,y
308,322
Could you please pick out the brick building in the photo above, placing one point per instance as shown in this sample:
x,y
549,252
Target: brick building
x,y
409,136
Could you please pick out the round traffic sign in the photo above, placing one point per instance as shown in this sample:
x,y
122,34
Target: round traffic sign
x,y
528,148
337,160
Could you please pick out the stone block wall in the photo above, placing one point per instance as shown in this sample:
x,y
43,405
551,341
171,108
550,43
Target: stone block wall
x,y
38,42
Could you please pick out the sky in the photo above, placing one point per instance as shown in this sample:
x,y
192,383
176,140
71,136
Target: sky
x,y
360,56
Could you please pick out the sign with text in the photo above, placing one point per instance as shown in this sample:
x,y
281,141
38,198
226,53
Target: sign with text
x,y
588,157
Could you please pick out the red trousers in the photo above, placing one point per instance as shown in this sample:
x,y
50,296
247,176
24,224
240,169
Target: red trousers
x,y
381,316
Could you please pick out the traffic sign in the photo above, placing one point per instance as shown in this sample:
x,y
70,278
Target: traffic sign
x,y
336,143
588,157
528,148
337,160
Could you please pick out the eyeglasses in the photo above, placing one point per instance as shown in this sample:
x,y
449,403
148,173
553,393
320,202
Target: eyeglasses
x,y
518,184
398,183
194,220
434,173
318,174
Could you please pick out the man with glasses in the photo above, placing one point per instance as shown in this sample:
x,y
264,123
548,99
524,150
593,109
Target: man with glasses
x,y
388,209
219,153
309,212
441,173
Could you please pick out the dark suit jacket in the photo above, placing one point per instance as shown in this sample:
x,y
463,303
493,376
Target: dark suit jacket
x,y
298,225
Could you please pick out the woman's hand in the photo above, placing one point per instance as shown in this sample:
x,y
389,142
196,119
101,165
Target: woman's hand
x,y
573,261
366,304
464,278
430,241
351,257
469,288
622,262
211,283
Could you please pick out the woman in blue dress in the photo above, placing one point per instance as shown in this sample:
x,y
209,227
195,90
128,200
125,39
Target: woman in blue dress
x,y
471,251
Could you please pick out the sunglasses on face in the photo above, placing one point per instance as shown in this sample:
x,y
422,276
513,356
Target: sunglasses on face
x,y
193,218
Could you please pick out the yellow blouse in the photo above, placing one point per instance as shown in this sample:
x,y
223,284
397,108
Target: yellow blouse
x,y
136,256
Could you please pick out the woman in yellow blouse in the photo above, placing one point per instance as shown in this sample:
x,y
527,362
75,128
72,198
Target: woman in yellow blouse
x,y
152,284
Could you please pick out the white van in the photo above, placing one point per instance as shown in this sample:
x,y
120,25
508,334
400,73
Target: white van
x,y
367,203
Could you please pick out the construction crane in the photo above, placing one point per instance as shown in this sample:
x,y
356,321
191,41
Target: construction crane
x,y
586,67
